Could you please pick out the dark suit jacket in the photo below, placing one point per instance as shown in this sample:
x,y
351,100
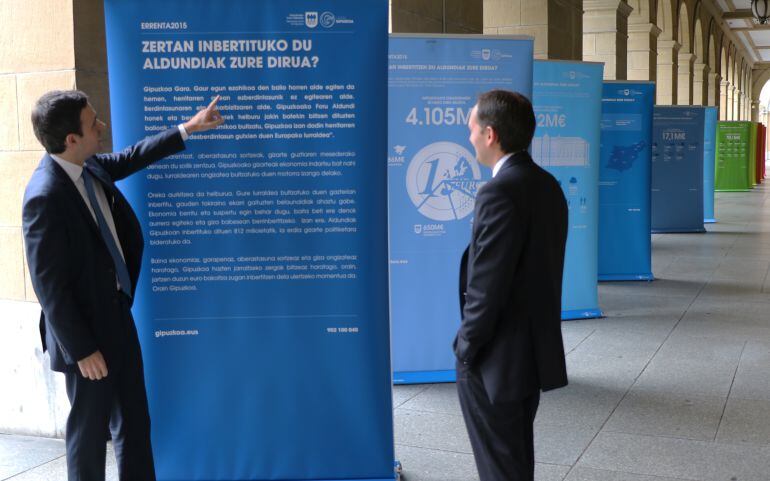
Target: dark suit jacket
x,y
511,277
71,269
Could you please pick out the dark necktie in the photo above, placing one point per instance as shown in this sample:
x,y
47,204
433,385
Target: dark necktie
x,y
120,265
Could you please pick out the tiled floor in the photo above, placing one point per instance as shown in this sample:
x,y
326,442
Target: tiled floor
x,y
674,384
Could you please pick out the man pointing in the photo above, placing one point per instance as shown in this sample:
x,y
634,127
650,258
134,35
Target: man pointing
x,y
84,250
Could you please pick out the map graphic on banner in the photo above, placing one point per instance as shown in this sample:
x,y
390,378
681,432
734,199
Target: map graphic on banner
x,y
623,157
262,308
433,178
625,248
442,181
567,101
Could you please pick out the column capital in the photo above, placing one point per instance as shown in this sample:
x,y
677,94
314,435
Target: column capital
x,y
672,44
701,67
724,83
647,28
623,9
686,57
609,5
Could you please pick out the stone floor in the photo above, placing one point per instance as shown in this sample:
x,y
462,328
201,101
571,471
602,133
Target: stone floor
x,y
673,384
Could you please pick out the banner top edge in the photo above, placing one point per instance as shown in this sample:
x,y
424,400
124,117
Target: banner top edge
x,y
689,107
441,36
647,82
578,62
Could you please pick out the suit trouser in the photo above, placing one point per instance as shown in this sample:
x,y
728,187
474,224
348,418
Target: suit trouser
x,y
117,403
501,434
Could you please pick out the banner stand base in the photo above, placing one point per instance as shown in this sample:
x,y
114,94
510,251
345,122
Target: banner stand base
x,y
626,277
396,477
709,221
423,377
678,231
581,314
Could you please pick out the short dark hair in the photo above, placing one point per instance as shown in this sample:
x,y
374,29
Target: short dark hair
x,y
56,115
511,116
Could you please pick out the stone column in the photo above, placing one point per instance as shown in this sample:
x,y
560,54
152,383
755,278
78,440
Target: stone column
x,y
605,35
700,84
643,51
666,83
684,79
48,45
724,101
730,103
749,108
755,111
741,109
736,109
557,25
714,81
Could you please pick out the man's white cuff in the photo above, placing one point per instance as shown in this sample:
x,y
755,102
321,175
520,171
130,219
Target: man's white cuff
x,y
184,133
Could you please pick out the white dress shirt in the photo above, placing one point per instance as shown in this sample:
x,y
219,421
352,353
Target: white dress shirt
x,y
500,163
75,172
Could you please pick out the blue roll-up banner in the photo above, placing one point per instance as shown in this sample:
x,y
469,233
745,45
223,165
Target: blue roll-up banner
x,y
567,97
625,248
433,177
709,154
677,169
263,303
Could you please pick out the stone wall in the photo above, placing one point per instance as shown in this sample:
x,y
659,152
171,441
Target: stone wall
x,y
48,45
436,16
556,25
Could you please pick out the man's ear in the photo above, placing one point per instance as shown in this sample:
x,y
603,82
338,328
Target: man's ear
x,y
491,136
70,139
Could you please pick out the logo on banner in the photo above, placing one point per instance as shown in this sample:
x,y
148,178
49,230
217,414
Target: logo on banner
x,y
488,54
311,19
429,230
630,92
327,20
442,181
398,158
575,75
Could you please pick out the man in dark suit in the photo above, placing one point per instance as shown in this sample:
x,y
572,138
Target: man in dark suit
x,y
84,249
509,345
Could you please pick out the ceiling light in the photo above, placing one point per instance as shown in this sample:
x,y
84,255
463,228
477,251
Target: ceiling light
x,y
761,10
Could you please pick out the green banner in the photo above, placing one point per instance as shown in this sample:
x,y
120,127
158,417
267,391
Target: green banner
x,y
733,157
